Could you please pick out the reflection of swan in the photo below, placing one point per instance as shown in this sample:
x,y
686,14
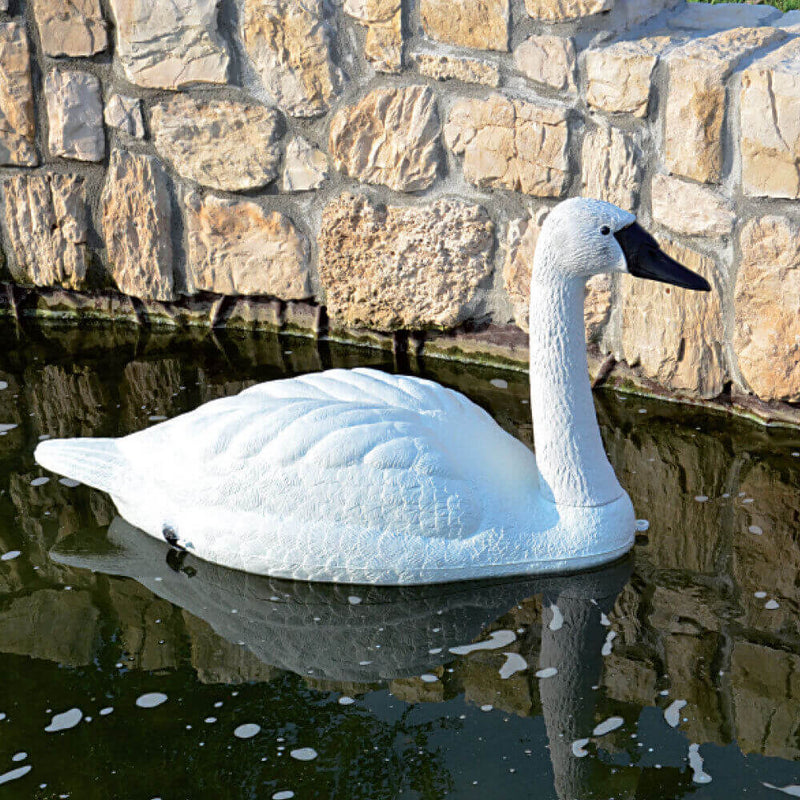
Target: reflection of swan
x,y
356,476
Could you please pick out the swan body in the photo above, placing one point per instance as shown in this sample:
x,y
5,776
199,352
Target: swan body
x,y
357,476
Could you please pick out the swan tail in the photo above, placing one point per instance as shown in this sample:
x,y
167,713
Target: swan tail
x,y
95,462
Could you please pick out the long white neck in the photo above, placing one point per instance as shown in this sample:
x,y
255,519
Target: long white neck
x,y
572,462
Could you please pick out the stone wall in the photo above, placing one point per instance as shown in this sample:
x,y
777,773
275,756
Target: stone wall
x,y
378,170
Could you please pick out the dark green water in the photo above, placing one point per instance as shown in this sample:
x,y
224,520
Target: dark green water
x,y
363,682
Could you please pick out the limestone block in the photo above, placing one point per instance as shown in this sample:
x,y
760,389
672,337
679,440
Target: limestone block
x,y
305,167
511,144
391,137
137,218
225,144
704,17
125,114
384,41
674,335
690,209
767,299
549,60
790,21
17,123
563,10
611,167
289,45
47,219
443,67
70,27
482,24
235,247
75,115
770,128
170,45
695,102
619,77
403,267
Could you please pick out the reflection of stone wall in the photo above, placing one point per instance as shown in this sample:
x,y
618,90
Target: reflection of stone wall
x,y
404,113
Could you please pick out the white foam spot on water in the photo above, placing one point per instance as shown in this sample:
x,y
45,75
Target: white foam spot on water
x,y
10,555
547,672
514,663
497,640
344,700
759,595
756,529
499,383
354,599
69,483
604,620
557,622
3,385
19,756
579,748
701,498
304,754
156,418
5,427
696,764
434,651
6,777
672,713
428,678
771,605
642,525
2,716
608,725
40,481
287,794
487,707
65,721
210,720
246,731
608,645
151,700
364,663
104,712
793,790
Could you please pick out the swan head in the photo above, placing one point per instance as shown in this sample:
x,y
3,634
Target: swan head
x,y
583,237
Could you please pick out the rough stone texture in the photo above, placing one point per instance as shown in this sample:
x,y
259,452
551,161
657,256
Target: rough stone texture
x,y
619,77
695,102
70,27
47,219
767,299
289,44
520,247
549,60
170,45
511,144
402,267
674,335
469,70
305,167
704,17
481,24
75,115
384,41
690,209
611,167
224,144
389,137
770,127
17,124
237,248
562,10
125,114
137,219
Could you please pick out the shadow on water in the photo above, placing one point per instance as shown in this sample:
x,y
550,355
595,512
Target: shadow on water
x,y
679,665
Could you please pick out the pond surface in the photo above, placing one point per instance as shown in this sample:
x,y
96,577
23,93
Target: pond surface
x,y
130,672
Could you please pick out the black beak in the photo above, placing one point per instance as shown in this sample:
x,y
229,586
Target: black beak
x,y
647,260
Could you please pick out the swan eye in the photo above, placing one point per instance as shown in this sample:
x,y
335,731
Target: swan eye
x,y
605,230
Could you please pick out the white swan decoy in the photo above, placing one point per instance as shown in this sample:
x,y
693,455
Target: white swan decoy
x,y
357,476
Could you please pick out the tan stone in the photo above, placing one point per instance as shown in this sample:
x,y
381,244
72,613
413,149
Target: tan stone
x,y
305,167
384,41
237,248
676,336
225,144
125,114
70,27
511,144
289,45
619,77
770,128
469,70
549,60
767,299
47,219
704,17
690,209
171,45
136,216
391,137
695,102
611,167
17,125
481,24
403,267
75,115
563,10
